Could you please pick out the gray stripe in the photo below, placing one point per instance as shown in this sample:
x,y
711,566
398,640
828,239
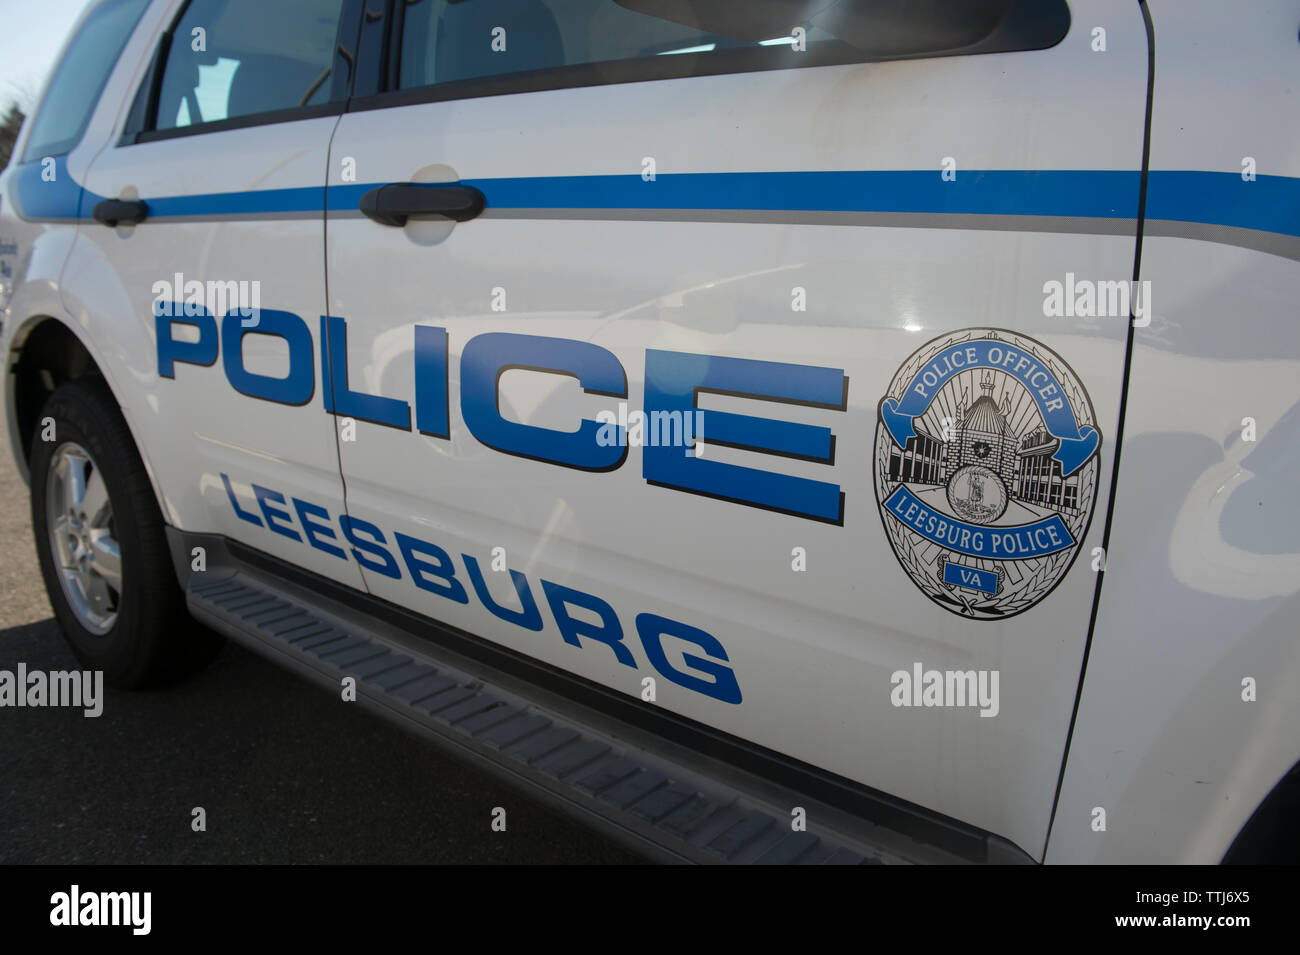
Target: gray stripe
x,y
238,216
1274,243
906,220
57,220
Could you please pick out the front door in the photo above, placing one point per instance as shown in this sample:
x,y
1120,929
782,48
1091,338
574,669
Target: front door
x,y
767,370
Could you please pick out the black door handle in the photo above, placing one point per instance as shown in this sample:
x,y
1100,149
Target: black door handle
x,y
393,203
113,211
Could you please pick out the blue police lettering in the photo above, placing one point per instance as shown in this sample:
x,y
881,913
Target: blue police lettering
x,y
529,617
432,569
598,371
609,632
342,400
171,350
673,380
298,386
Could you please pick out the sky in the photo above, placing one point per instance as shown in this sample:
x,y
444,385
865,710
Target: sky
x,y
31,34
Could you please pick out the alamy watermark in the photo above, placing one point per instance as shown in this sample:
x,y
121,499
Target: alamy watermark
x,y
181,298
655,429
949,688
82,689
75,907
1084,298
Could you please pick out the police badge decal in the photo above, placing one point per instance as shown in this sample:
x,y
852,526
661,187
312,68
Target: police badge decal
x,y
987,464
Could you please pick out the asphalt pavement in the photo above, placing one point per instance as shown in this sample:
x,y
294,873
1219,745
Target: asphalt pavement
x,y
283,772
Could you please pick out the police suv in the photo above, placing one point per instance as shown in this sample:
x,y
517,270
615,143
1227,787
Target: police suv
x,y
799,431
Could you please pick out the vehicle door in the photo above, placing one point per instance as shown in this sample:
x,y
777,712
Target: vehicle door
x,y
225,143
866,242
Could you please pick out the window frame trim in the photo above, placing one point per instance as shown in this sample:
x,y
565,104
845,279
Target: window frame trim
x,y
1007,37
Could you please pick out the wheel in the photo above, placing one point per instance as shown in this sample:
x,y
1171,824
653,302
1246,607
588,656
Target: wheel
x,y
102,550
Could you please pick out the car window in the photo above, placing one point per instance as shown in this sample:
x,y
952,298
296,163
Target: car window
x,y
447,41
79,79
232,58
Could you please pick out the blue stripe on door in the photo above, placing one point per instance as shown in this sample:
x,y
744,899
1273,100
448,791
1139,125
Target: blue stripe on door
x,y
1268,204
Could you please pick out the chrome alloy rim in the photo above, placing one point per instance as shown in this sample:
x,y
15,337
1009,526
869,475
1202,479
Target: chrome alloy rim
x,y
83,540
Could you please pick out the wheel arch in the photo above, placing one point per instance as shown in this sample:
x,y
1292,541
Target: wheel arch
x,y
1272,834
44,352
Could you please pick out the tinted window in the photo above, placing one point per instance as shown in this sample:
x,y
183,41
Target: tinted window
x,y
445,41
231,58
79,79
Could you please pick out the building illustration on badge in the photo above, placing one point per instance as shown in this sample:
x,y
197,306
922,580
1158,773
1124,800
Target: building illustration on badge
x,y
987,465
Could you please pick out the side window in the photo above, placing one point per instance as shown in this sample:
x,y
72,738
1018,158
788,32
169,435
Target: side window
x,y
448,41
232,58
80,77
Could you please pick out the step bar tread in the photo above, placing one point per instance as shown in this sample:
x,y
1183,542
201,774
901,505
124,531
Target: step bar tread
x,y
676,809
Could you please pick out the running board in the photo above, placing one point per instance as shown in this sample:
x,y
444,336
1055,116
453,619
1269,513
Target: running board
x,y
611,777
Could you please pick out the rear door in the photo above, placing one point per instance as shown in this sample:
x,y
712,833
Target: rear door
x,y
837,255
225,142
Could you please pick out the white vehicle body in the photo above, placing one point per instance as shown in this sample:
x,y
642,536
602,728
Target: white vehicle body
x,y
841,218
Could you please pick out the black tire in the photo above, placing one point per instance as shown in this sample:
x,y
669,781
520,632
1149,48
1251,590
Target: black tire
x,y
153,640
